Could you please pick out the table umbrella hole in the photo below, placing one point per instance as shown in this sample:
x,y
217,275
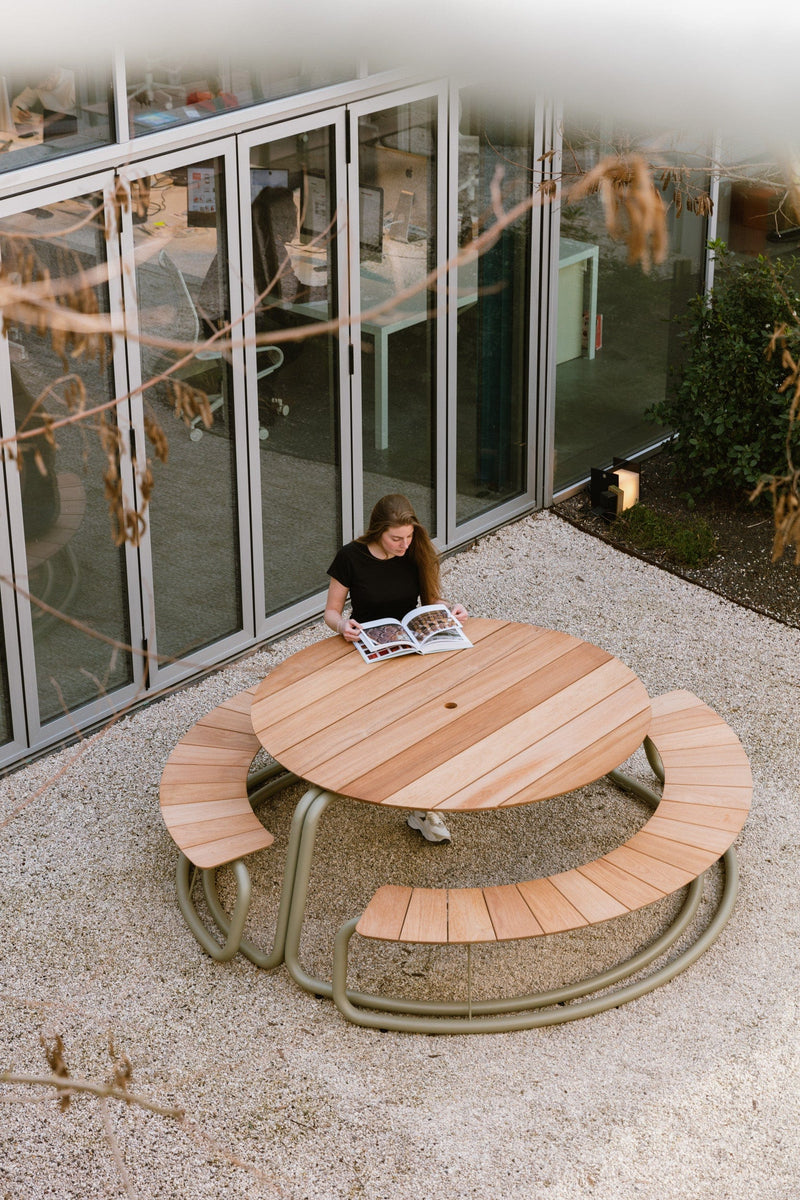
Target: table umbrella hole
x,y
451,704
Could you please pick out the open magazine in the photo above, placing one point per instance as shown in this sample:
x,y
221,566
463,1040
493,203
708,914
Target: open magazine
x,y
421,631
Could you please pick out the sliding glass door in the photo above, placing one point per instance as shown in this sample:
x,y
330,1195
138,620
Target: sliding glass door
x,y
72,572
398,181
181,233
293,213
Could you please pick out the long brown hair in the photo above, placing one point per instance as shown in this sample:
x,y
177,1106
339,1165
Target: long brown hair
x,y
394,510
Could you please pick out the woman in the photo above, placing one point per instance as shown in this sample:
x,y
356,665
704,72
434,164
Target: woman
x,y
389,570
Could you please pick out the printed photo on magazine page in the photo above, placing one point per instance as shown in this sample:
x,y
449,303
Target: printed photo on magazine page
x,y
424,630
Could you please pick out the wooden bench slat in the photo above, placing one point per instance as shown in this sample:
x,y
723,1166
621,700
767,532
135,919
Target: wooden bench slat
x,y
679,854
223,717
703,735
710,815
728,755
630,890
192,755
724,796
426,917
384,915
681,700
203,792
202,810
468,918
194,772
589,899
705,800
736,775
551,909
691,835
209,791
510,915
213,830
214,736
663,875
241,703
215,854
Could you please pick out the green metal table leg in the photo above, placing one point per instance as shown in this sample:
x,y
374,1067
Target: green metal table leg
x,y
233,926
267,961
314,811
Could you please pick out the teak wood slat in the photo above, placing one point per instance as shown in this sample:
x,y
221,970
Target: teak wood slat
x,y
203,793
681,840
524,714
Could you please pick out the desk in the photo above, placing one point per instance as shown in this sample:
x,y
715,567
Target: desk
x,y
524,715
573,260
403,265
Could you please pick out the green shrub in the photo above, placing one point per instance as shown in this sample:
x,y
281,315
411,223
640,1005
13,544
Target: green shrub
x,y
731,420
686,542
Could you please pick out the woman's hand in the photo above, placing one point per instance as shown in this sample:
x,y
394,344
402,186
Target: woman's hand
x,y
459,612
349,629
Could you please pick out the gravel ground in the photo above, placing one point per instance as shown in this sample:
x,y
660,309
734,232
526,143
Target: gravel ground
x,y
690,1092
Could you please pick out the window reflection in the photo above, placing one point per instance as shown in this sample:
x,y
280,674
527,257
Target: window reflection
x,y
73,564
618,345
492,299
756,213
183,298
292,211
47,113
397,159
165,90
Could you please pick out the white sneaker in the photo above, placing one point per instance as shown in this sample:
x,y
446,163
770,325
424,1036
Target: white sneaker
x,y
430,825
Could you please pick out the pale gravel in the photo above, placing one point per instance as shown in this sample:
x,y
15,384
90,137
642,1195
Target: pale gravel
x,y
686,1094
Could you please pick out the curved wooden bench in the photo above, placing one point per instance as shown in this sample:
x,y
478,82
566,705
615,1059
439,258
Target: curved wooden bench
x,y
707,787
206,798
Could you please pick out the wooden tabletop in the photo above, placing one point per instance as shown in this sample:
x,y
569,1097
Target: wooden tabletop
x,y
526,714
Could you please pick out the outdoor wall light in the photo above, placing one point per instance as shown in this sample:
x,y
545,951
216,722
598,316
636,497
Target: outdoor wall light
x,y
611,492
628,477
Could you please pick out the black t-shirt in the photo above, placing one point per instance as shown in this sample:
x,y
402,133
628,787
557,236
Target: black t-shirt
x,y
378,587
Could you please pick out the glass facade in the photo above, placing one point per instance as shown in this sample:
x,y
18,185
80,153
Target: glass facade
x,y
73,567
755,212
397,303
617,345
492,298
294,383
166,91
181,281
301,320
48,113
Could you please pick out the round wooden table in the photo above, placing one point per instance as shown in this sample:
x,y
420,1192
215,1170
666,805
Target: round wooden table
x,y
526,714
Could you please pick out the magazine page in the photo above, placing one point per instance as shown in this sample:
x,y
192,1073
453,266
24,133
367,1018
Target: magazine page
x,y
435,622
385,632
384,638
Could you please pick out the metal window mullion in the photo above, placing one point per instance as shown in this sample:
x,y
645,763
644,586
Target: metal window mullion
x,y
144,620
349,444
452,284
441,332
123,414
354,339
9,624
544,326
250,614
